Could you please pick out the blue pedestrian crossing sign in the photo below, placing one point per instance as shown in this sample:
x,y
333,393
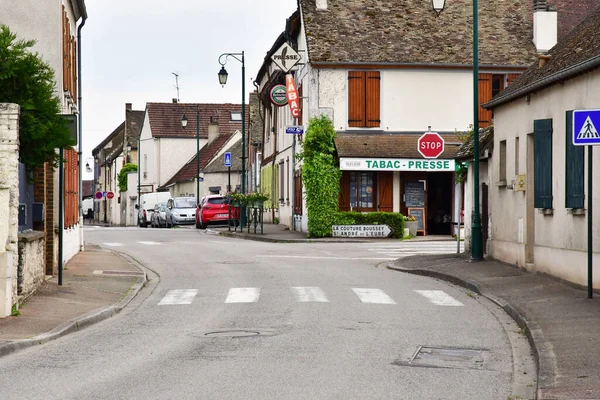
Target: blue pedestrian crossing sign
x,y
227,159
585,127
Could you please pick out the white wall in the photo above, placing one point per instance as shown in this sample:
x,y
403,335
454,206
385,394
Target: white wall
x,y
172,155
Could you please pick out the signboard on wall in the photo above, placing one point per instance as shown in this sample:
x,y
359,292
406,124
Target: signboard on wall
x,y
278,95
395,164
414,194
292,95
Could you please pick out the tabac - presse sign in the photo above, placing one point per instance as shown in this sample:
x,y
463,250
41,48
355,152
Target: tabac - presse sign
x,y
395,164
278,95
430,145
286,57
292,95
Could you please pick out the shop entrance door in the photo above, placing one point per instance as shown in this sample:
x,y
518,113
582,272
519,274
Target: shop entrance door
x,y
440,191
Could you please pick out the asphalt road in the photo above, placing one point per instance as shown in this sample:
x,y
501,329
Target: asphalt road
x,y
232,319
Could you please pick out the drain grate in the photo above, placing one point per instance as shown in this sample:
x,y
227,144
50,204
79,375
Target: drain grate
x,y
237,333
446,357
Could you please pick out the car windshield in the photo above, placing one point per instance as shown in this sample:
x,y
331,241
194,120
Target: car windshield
x,y
185,203
216,200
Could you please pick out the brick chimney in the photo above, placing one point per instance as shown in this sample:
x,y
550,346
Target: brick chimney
x,y
545,26
213,129
128,107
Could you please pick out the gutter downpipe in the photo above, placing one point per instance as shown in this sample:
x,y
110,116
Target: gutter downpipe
x,y
79,105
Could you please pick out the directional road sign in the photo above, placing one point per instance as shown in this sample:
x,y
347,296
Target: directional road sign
x,y
586,124
294,130
227,159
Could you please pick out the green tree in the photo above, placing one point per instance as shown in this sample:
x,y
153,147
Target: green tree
x,y
25,79
122,178
321,176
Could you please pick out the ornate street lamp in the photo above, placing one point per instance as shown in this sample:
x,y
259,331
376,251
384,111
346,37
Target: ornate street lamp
x,y
476,238
184,122
223,80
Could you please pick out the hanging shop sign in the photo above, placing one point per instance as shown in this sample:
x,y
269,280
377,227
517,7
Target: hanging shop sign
x,y
286,57
278,95
292,95
395,164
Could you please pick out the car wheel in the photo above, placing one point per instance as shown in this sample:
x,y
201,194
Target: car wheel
x,y
201,225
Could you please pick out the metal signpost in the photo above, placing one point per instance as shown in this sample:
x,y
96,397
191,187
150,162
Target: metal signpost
x,y
585,133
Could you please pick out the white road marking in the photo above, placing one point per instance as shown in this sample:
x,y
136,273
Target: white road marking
x,y
179,296
113,244
440,298
306,294
377,296
326,258
150,243
243,295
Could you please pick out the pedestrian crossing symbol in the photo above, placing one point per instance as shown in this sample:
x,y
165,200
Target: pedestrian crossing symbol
x,y
585,127
227,159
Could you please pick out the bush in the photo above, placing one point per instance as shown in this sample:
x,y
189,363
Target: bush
x,y
122,178
394,220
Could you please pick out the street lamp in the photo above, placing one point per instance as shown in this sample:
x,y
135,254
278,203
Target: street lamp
x,y
223,80
184,122
476,239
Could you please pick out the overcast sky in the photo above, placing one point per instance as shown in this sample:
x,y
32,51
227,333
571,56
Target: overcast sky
x,y
130,49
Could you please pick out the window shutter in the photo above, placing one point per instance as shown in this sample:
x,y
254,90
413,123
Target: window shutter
x,y
511,77
356,99
344,201
574,168
542,163
373,99
301,102
386,191
485,95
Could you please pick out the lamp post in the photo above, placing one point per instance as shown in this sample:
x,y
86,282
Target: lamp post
x,y
476,239
223,80
184,122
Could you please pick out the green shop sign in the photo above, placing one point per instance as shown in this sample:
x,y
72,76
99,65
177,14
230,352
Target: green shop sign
x,y
395,164
279,95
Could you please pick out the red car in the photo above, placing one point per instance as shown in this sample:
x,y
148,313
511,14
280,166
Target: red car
x,y
213,209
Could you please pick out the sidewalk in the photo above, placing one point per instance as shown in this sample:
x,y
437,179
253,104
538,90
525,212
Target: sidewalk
x,y
562,325
97,284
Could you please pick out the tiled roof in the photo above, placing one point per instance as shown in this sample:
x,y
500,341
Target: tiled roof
x,y
207,152
134,121
165,118
218,165
103,145
408,31
577,53
383,145
486,139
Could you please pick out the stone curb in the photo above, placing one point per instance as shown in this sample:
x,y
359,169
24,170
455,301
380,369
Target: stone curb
x,y
541,348
83,321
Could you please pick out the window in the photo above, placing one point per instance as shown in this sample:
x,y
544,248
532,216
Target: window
x,y
361,190
574,168
363,99
516,156
281,181
236,116
502,160
542,163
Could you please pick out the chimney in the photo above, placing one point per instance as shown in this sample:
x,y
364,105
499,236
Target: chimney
x,y
213,129
321,4
545,26
127,106
542,60
174,100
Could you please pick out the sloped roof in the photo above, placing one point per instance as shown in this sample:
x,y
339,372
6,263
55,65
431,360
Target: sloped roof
x,y
394,145
134,121
113,135
207,153
486,140
165,118
408,32
577,53
217,165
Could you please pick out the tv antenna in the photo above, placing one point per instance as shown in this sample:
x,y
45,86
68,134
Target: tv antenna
x,y
176,84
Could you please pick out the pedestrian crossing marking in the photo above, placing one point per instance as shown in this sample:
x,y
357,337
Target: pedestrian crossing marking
x,y
588,130
113,244
178,296
373,296
243,295
150,243
308,294
440,298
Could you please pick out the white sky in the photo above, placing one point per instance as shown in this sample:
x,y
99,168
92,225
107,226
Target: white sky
x,y
130,48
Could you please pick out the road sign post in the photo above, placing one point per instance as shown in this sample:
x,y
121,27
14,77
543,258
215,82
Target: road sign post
x,y
430,145
585,133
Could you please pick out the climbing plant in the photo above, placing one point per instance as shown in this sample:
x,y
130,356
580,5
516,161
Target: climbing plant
x,y
320,175
122,178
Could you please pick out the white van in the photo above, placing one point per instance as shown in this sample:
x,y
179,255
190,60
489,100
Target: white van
x,y
147,203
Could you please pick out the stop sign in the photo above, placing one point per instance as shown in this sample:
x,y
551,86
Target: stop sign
x,y
430,145
110,195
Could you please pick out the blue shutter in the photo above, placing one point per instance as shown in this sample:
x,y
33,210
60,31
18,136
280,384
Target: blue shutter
x,y
574,168
542,163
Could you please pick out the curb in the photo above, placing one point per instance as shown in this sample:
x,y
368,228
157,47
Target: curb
x,y
83,321
535,336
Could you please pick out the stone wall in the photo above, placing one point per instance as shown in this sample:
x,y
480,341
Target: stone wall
x,y
31,268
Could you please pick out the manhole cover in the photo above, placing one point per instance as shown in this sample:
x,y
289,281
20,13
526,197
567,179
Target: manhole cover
x,y
446,357
237,333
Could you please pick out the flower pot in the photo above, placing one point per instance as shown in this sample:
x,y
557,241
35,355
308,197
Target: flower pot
x,y
412,227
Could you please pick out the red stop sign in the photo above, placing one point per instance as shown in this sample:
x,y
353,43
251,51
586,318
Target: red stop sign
x,y
431,145
110,195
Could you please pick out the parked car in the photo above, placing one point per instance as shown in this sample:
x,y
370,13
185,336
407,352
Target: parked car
x,y
180,211
213,209
147,203
159,215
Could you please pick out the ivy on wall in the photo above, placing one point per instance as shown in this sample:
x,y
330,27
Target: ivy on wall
x,y
321,176
122,178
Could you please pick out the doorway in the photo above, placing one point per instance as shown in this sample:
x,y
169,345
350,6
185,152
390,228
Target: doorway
x,y
439,203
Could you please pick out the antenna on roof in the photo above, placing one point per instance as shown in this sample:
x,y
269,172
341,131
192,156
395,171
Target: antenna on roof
x,y
176,84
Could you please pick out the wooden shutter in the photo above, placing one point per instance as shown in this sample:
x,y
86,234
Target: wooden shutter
x,y
74,63
65,53
511,77
373,99
356,98
344,202
386,191
574,168
301,102
485,95
542,163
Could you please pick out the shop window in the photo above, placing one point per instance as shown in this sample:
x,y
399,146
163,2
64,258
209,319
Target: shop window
x,y
542,163
574,168
361,190
364,99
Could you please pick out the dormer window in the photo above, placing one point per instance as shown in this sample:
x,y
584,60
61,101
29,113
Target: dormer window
x,y
236,116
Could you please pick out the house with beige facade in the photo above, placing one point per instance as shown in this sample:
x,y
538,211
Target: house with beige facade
x,y
539,189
